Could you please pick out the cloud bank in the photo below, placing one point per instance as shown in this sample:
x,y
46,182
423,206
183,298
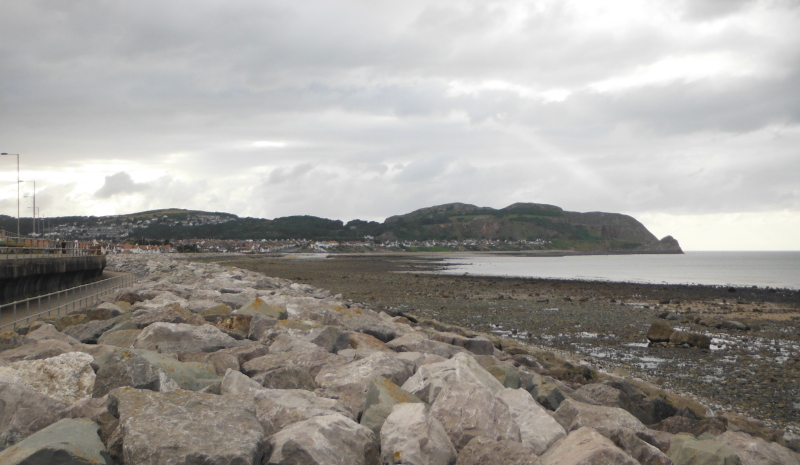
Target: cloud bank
x,y
349,109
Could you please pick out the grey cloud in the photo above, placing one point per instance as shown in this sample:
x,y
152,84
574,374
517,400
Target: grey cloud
x,y
120,183
713,9
368,105
282,175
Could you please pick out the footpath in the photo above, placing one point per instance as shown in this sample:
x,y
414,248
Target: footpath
x,y
214,365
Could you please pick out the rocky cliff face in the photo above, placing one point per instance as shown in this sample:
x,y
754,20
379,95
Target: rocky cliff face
x,y
593,231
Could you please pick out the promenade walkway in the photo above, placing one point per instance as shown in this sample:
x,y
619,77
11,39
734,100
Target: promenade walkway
x,y
60,303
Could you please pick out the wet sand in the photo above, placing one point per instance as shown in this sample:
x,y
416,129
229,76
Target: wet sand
x,y
755,372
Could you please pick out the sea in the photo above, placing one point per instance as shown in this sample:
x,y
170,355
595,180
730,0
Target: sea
x,y
741,269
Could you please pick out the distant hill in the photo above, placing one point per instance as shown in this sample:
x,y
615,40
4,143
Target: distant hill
x,y
546,225
594,231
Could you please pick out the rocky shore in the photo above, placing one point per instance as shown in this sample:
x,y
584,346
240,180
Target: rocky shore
x,y
204,363
751,367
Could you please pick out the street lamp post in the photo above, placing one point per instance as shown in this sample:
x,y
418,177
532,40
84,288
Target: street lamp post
x,y
16,155
34,205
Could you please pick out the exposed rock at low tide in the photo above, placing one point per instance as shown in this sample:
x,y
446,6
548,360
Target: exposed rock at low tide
x,y
165,373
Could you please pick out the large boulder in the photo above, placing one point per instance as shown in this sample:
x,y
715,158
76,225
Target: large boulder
x,y
192,376
286,377
379,364
482,451
49,332
573,415
349,382
756,451
420,342
660,331
67,442
11,340
430,379
320,440
172,337
174,314
538,430
124,338
38,350
636,447
419,359
366,321
126,368
23,411
259,307
477,344
609,396
311,361
236,326
282,343
410,435
184,427
278,408
88,333
67,377
549,395
382,396
681,338
469,409
685,449
586,446
507,375
365,343
330,338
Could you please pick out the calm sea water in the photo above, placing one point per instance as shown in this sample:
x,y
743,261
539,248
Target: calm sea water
x,y
762,269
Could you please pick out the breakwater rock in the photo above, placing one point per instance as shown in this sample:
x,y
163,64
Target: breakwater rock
x,y
207,364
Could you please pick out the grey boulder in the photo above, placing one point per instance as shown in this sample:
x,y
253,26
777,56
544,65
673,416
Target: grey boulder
x,y
585,446
88,333
467,410
420,342
68,377
430,379
323,440
192,376
572,415
382,396
183,427
538,430
756,451
177,337
23,411
482,451
330,338
67,442
685,449
49,332
411,436
278,408
125,368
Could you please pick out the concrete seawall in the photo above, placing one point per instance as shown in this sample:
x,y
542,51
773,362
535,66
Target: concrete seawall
x,y
21,278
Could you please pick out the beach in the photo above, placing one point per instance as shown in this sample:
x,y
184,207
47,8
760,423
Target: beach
x,y
752,367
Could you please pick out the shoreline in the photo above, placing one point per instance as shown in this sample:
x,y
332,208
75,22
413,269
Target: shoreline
x,y
436,266
604,322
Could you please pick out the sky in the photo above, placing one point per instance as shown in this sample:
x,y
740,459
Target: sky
x,y
683,114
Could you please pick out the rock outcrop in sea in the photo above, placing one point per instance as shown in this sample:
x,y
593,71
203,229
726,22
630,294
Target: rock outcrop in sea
x,y
207,364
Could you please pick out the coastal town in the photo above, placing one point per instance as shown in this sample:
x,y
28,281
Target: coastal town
x,y
264,246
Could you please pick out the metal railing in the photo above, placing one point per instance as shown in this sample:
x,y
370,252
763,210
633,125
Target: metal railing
x,y
67,300
13,246
11,252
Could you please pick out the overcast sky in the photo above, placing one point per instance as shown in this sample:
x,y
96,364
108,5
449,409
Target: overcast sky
x,y
683,114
